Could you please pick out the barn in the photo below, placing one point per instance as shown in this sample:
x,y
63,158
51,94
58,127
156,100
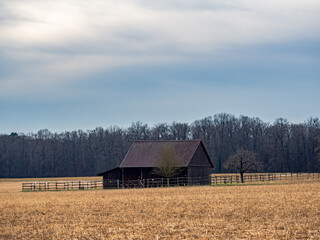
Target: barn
x,y
143,157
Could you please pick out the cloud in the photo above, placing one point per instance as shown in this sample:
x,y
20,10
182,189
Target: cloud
x,y
54,44
128,24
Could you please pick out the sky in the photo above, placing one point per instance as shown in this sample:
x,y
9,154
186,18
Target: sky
x,y
70,64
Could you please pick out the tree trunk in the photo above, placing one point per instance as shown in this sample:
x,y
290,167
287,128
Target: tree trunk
x,y
241,175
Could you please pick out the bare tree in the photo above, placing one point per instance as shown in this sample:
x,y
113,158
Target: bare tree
x,y
243,161
168,163
138,131
161,131
280,146
180,131
317,149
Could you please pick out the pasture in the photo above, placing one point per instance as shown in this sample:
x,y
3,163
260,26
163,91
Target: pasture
x,y
279,211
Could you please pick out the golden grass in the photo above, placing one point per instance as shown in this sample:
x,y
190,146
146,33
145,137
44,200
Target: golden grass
x,y
234,212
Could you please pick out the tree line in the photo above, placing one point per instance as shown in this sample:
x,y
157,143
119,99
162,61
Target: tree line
x,y
280,146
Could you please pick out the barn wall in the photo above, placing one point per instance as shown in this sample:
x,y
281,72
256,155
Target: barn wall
x,y
112,174
182,172
195,172
137,173
200,158
199,165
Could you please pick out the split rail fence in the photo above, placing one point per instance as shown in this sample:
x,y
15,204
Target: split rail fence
x,y
263,177
58,186
156,182
213,179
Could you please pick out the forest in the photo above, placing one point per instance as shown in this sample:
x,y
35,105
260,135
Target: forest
x,y
281,146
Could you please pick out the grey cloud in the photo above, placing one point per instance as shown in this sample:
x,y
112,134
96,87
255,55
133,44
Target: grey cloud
x,y
55,42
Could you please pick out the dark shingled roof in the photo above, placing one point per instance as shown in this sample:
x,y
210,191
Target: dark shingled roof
x,y
110,170
145,153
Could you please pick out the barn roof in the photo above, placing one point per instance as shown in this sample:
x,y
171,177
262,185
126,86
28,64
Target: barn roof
x,y
146,153
110,170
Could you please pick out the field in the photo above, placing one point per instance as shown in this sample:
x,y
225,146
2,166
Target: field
x,y
279,211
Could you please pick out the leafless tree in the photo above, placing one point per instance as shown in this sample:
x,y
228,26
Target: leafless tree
x,y
280,146
168,163
180,131
317,149
138,131
243,161
161,131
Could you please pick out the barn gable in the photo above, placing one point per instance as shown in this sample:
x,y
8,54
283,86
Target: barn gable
x,y
201,158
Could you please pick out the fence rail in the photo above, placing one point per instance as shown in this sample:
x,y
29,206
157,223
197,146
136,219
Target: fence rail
x,y
164,182
56,186
263,177
213,179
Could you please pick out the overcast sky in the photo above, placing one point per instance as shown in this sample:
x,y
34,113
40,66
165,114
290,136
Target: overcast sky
x,y
70,64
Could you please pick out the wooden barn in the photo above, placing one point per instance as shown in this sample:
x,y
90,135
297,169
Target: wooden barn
x,y
142,159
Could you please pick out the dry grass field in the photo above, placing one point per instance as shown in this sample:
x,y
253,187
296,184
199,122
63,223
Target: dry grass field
x,y
288,211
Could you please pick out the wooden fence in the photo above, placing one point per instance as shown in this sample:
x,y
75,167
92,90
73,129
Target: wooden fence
x,y
263,177
214,179
157,182
56,186
114,183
